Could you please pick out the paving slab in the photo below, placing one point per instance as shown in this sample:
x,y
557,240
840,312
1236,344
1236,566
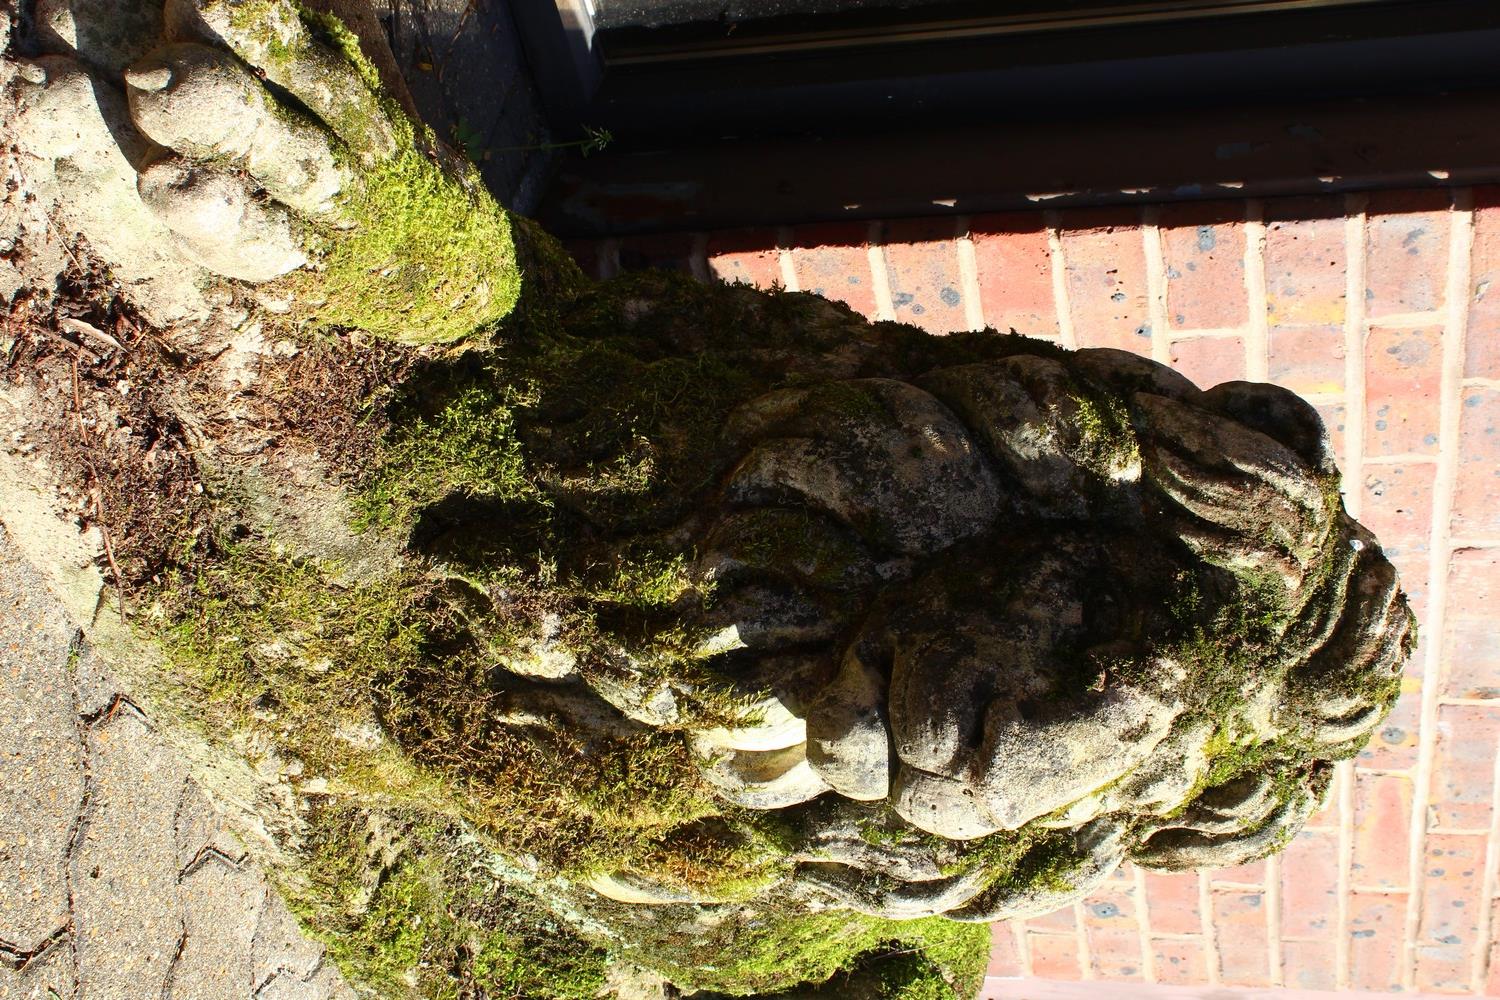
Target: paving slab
x,y
126,910
118,878
221,906
41,760
48,976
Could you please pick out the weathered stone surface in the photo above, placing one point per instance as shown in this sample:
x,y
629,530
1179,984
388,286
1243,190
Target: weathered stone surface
x,y
1059,760
871,451
275,41
46,976
848,743
221,904
82,153
881,897
106,36
204,104
1027,410
761,779
1170,776
944,806
624,888
997,615
124,872
219,221
41,758
1014,681
1100,845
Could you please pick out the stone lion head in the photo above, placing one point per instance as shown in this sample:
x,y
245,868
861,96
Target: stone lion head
x,y
1049,599
995,616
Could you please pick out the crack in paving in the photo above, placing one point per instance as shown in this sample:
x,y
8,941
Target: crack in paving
x,y
176,961
108,712
18,958
210,853
85,801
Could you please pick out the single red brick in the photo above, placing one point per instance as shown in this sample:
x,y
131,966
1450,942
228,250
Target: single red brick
x,y
1240,924
1172,903
1334,416
832,261
1396,741
1377,940
1305,262
1054,956
1060,921
1472,654
1111,905
1451,905
1015,273
1474,581
1382,831
748,256
1115,953
1406,264
1472,660
1308,965
1403,380
921,258
1106,270
1397,506
1475,512
1307,359
1253,873
664,251
1203,245
1179,962
1482,340
1005,952
1309,886
1463,779
1210,360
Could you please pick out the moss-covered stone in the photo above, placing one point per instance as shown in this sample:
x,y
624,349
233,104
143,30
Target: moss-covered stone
x,y
424,260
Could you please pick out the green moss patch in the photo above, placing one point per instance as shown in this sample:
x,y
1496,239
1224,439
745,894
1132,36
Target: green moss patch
x,y
856,956
425,260
408,910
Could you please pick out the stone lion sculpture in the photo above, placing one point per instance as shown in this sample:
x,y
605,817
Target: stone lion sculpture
x,y
939,626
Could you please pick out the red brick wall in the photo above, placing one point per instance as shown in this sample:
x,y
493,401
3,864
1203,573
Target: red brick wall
x,y
1383,311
